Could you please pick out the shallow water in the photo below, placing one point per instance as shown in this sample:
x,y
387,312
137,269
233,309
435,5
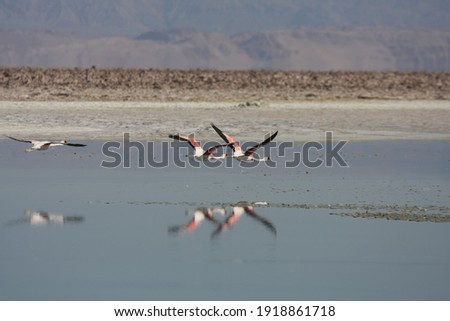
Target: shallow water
x,y
105,234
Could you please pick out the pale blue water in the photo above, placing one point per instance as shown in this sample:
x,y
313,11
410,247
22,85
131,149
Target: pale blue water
x,y
122,250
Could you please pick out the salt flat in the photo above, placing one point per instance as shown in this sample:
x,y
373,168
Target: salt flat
x,y
296,121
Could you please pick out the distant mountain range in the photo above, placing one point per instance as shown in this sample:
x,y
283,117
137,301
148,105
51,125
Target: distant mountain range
x,y
400,35
130,18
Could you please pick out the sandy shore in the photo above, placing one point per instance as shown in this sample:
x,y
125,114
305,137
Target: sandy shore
x,y
297,121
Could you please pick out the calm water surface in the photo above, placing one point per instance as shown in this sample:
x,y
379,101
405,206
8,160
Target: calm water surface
x,y
71,230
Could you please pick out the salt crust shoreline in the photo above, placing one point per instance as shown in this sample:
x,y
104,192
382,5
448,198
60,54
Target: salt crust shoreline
x,y
295,121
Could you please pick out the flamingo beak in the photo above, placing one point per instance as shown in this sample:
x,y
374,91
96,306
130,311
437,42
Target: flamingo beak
x,y
28,150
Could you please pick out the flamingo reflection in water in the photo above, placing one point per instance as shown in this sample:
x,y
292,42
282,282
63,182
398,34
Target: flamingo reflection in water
x,y
39,218
199,215
237,213
223,225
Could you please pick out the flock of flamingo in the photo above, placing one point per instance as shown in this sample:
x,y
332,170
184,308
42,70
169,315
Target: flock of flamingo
x,y
200,214
238,153
199,153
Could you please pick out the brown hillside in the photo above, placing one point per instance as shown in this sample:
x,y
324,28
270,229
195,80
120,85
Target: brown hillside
x,y
205,85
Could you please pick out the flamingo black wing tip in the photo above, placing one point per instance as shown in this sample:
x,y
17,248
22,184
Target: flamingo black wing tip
x,y
176,137
18,140
76,145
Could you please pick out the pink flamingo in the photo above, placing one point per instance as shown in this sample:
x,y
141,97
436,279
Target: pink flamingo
x,y
200,153
240,155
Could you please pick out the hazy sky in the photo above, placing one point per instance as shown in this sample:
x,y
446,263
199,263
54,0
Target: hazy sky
x,y
123,17
389,34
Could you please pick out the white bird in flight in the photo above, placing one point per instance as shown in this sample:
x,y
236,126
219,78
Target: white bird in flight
x,y
240,155
200,153
44,145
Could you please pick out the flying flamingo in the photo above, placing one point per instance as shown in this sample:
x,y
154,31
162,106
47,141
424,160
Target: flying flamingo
x,y
240,155
44,145
200,154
